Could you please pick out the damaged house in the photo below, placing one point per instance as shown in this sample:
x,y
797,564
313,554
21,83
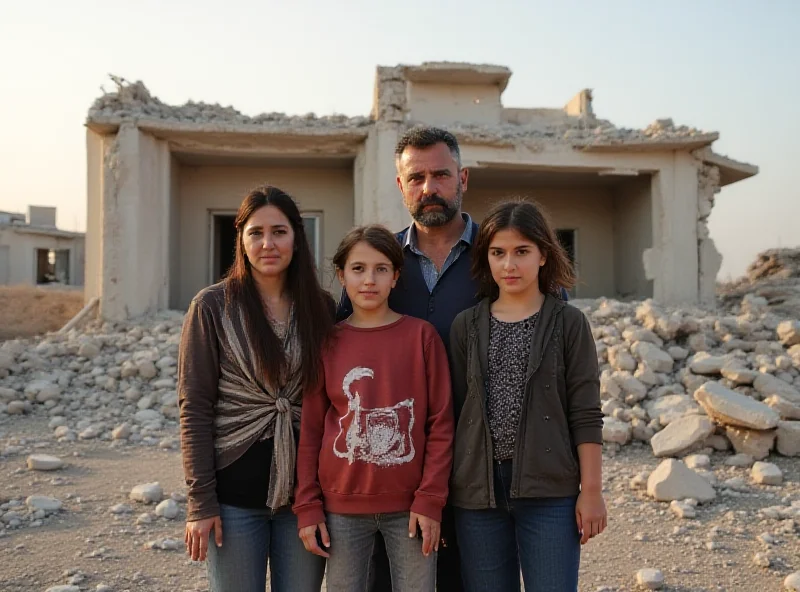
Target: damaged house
x,y
33,252
164,183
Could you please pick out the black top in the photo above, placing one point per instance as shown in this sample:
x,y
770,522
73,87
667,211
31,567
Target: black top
x,y
245,482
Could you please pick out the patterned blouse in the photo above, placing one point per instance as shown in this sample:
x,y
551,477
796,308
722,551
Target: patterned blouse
x,y
509,349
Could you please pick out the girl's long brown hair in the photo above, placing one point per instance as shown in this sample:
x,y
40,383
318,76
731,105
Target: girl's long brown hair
x,y
530,221
313,308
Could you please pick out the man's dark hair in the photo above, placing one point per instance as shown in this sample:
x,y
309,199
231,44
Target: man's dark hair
x,y
423,136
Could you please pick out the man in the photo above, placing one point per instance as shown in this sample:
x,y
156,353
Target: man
x,y
436,283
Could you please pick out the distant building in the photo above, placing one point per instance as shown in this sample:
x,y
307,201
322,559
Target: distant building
x,y
631,206
34,252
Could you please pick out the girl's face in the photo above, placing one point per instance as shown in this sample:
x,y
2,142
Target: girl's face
x,y
268,240
368,277
515,262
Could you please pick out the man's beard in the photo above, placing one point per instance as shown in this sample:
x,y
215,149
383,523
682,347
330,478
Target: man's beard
x,y
441,217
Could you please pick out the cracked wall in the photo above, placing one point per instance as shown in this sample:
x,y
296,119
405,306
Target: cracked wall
x,y
710,259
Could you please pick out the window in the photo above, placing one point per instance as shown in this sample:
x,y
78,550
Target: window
x,y
313,224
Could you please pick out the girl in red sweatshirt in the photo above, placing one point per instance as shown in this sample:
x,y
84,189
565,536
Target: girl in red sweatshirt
x,y
375,438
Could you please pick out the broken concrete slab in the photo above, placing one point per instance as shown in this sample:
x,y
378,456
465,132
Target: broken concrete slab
x,y
682,435
731,408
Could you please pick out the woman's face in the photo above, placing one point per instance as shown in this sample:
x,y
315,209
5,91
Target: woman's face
x,y
268,240
515,262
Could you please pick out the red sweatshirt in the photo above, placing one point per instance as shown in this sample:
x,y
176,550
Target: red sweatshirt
x,y
376,436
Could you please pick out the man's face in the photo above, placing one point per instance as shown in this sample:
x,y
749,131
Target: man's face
x,y
431,183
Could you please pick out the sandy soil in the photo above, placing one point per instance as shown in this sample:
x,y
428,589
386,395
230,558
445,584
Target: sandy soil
x,y
85,538
26,311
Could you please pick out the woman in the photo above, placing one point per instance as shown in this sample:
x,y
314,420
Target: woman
x,y
526,483
250,347
375,447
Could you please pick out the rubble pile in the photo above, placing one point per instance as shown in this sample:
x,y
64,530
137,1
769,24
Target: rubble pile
x,y
132,100
775,276
685,381
112,382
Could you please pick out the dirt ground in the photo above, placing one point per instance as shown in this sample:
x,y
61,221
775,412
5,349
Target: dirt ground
x,y
86,539
26,311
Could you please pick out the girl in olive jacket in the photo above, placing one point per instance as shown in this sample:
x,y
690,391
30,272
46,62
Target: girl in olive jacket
x,y
526,482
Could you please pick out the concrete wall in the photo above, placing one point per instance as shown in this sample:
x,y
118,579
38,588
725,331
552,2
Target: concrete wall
x,y
203,189
443,104
20,248
633,234
673,261
590,212
376,198
134,224
174,233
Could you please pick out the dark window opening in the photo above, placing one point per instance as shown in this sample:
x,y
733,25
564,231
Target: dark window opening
x,y
52,266
567,240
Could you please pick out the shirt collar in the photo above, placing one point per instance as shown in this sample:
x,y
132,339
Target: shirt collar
x,y
466,236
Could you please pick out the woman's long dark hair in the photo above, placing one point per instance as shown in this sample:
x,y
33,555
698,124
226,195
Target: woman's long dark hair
x,y
313,310
531,222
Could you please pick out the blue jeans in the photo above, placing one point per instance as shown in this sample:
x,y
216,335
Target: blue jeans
x,y
540,535
251,537
352,543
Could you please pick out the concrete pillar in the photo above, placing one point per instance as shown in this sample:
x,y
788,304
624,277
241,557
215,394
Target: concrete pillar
x,y
377,198
96,146
673,263
135,225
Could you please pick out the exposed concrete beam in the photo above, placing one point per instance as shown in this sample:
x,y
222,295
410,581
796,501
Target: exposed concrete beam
x,y
730,170
458,73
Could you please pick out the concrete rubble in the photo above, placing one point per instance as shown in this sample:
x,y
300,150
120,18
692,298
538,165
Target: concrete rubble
x,y
133,102
719,422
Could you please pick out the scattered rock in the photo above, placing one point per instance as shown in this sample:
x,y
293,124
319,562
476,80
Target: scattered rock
x,y
42,502
168,509
44,462
707,365
616,431
786,409
740,460
682,435
788,438
673,480
766,474
768,385
789,332
653,356
148,493
683,509
650,579
762,560
792,582
755,443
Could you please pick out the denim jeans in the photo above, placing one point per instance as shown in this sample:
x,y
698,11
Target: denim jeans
x,y
251,537
539,535
352,543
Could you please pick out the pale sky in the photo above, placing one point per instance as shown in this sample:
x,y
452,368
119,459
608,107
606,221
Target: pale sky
x,y
731,66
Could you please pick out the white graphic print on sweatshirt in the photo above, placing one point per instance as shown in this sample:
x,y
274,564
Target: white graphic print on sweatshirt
x,y
380,436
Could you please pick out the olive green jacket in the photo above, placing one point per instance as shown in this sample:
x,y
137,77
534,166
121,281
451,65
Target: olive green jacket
x,y
560,410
